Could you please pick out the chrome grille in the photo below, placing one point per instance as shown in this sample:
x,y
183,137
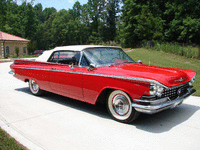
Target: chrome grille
x,y
174,92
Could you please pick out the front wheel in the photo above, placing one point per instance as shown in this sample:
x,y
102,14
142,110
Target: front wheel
x,y
119,107
34,88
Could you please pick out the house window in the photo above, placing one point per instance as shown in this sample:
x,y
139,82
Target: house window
x,y
7,50
24,50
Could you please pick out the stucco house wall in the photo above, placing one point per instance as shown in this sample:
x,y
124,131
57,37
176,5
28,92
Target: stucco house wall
x,y
9,43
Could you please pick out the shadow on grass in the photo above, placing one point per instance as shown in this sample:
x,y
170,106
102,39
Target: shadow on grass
x,y
157,123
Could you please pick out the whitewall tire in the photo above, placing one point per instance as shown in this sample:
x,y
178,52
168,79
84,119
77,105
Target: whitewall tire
x,y
34,88
119,107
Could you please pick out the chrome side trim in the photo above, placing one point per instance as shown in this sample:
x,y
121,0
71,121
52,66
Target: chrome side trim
x,y
161,104
100,75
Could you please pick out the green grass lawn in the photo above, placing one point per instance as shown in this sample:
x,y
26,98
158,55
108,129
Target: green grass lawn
x,y
9,143
162,59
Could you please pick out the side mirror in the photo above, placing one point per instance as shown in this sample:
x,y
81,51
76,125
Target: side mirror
x,y
139,62
92,67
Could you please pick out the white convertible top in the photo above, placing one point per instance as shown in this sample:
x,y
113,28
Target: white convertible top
x,y
45,56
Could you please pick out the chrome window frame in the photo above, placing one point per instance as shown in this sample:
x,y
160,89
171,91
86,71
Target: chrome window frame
x,y
48,61
82,53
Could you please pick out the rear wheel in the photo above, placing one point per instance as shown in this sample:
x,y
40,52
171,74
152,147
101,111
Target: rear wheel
x,y
34,88
119,107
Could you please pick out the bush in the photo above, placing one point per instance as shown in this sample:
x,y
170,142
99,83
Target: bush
x,y
175,48
17,51
110,43
198,53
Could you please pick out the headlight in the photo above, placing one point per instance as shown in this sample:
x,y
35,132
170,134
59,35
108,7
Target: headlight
x,y
156,90
159,90
192,81
153,89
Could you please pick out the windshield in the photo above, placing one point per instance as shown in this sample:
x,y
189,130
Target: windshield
x,y
107,56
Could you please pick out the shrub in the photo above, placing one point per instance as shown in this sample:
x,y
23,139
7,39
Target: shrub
x,y
17,51
175,48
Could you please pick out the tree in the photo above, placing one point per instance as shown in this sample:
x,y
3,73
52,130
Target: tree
x,y
95,9
171,20
11,24
30,22
148,27
47,12
39,12
2,14
77,10
98,20
58,25
129,10
111,19
190,30
183,19
84,17
46,29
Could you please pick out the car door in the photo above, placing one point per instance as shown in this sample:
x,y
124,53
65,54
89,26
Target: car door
x,y
91,82
65,77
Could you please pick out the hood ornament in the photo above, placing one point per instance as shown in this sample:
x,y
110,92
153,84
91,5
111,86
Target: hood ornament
x,y
180,80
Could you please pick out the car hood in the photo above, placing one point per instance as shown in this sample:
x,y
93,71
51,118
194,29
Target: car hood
x,y
167,76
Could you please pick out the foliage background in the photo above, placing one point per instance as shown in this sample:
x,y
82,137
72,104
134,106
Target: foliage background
x,y
127,22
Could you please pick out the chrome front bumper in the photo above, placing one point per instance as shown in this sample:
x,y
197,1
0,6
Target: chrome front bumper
x,y
158,105
11,72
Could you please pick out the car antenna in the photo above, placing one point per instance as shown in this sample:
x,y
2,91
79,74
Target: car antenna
x,y
149,52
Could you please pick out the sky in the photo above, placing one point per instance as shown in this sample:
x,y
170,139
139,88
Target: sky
x,y
57,4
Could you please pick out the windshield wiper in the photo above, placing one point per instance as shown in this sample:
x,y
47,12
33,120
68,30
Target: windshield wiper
x,y
125,62
129,62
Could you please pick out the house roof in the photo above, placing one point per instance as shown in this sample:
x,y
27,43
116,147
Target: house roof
x,y
8,37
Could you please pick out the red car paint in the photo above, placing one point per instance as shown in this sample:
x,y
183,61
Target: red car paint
x,y
106,74
88,87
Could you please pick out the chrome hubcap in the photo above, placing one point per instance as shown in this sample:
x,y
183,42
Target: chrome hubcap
x,y
34,86
120,105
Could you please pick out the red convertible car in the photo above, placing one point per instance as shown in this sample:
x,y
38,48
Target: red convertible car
x,y
92,74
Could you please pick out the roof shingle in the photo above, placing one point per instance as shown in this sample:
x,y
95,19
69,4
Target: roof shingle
x,y
9,37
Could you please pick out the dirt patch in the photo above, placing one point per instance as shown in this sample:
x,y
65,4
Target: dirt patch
x,y
129,50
